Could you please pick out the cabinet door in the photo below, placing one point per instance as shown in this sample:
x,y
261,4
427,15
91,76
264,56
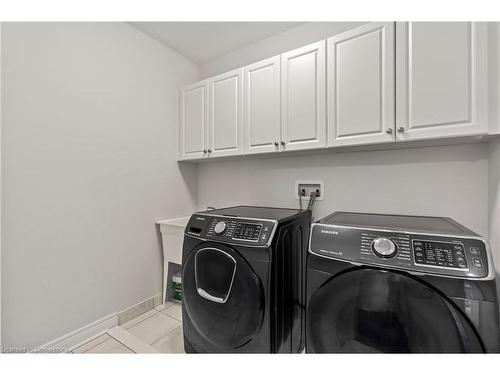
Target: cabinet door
x,y
440,79
262,106
303,97
225,114
193,120
361,85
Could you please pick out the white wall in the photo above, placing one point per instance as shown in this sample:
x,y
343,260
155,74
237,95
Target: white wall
x,y
494,147
1,210
89,118
441,181
297,37
494,205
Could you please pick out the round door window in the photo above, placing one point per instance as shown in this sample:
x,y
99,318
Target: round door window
x,y
377,311
223,296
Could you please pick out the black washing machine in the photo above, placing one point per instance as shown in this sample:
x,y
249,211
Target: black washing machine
x,y
243,280
399,284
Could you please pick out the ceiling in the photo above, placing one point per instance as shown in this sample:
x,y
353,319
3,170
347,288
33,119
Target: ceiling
x,y
203,41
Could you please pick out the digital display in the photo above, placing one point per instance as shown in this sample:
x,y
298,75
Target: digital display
x,y
247,231
441,254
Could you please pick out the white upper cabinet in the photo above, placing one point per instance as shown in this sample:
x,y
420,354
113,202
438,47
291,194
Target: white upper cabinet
x,y
378,83
262,122
440,79
303,97
361,85
225,114
193,120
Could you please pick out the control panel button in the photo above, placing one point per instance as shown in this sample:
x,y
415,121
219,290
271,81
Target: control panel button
x,y
478,263
220,227
248,232
440,254
384,247
474,250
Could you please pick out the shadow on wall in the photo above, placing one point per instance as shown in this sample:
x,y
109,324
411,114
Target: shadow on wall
x,y
420,155
494,205
188,173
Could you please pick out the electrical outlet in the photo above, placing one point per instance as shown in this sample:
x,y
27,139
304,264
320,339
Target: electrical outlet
x,y
305,188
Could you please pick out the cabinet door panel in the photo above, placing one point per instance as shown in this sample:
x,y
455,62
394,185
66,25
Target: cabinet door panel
x,y
262,106
361,85
440,79
225,124
304,97
193,102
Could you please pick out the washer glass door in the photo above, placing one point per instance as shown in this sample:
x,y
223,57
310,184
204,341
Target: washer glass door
x,y
223,296
378,311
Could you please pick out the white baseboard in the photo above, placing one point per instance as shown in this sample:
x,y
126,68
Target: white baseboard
x,y
70,340
139,308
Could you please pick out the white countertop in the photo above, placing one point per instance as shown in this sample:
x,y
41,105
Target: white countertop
x,y
175,222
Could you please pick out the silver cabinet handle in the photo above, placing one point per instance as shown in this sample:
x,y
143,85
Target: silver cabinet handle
x,y
401,129
389,131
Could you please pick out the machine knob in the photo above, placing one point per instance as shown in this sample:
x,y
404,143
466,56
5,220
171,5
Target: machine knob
x,y
384,247
220,227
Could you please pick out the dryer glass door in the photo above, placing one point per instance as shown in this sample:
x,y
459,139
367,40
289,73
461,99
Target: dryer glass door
x,y
377,311
222,295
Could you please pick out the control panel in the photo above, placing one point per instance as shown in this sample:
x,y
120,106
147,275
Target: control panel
x,y
440,254
251,232
465,257
247,231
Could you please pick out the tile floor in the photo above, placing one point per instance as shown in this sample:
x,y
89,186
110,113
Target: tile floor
x,y
158,330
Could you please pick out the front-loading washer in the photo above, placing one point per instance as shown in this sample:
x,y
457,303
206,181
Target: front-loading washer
x,y
243,280
399,284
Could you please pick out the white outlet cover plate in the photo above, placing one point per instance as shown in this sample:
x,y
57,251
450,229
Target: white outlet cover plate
x,y
306,198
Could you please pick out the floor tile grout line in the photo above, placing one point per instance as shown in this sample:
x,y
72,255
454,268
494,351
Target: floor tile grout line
x,y
88,341
93,346
170,316
128,345
166,334
110,338
167,304
125,345
140,321
151,316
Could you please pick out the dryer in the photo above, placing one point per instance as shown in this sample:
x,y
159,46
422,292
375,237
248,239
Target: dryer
x,y
243,280
399,284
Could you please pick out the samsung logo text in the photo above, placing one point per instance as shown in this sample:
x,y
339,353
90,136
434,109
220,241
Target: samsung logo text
x,y
332,232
